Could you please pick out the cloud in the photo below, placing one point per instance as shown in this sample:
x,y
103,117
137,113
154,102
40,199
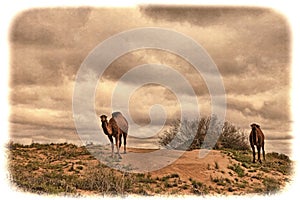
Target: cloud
x,y
123,65
250,46
195,15
35,66
39,96
278,108
140,102
273,111
48,27
260,36
41,117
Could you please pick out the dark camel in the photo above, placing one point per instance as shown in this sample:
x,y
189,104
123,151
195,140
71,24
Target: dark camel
x,y
116,127
257,139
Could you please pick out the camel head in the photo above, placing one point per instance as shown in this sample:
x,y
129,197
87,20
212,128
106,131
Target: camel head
x,y
254,126
103,118
105,125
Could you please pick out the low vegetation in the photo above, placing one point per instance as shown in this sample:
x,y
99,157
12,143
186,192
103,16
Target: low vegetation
x,y
274,161
268,177
66,169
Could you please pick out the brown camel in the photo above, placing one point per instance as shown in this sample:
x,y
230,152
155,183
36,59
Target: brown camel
x,y
257,139
116,127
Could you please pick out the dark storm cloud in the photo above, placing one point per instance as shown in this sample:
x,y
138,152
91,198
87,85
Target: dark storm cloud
x,y
45,47
260,35
33,67
201,16
36,36
32,27
65,63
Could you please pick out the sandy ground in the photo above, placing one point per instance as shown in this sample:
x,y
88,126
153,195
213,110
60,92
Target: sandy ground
x,y
187,164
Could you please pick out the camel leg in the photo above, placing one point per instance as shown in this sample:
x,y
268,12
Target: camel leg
x,y
258,152
253,152
112,149
120,141
263,150
117,144
112,145
125,138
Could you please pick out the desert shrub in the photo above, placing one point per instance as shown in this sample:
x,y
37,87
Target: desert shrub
x,y
279,162
196,134
105,181
49,182
180,135
237,169
272,185
198,188
233,137
279,156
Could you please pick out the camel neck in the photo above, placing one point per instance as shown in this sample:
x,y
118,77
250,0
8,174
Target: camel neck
x,y
104,127
254,138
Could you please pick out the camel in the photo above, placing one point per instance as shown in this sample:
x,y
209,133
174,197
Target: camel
x,y
257,139
116,127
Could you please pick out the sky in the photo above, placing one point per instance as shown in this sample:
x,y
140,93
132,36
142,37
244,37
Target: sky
x,y
249,45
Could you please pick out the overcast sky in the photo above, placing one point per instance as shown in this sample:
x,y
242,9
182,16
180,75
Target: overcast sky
x,y
250,46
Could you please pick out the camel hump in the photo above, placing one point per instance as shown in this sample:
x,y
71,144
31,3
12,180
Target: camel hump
x,y
121,121
115,114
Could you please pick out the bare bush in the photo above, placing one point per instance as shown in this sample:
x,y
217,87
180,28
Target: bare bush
x,y
180,135
233,137
203,133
